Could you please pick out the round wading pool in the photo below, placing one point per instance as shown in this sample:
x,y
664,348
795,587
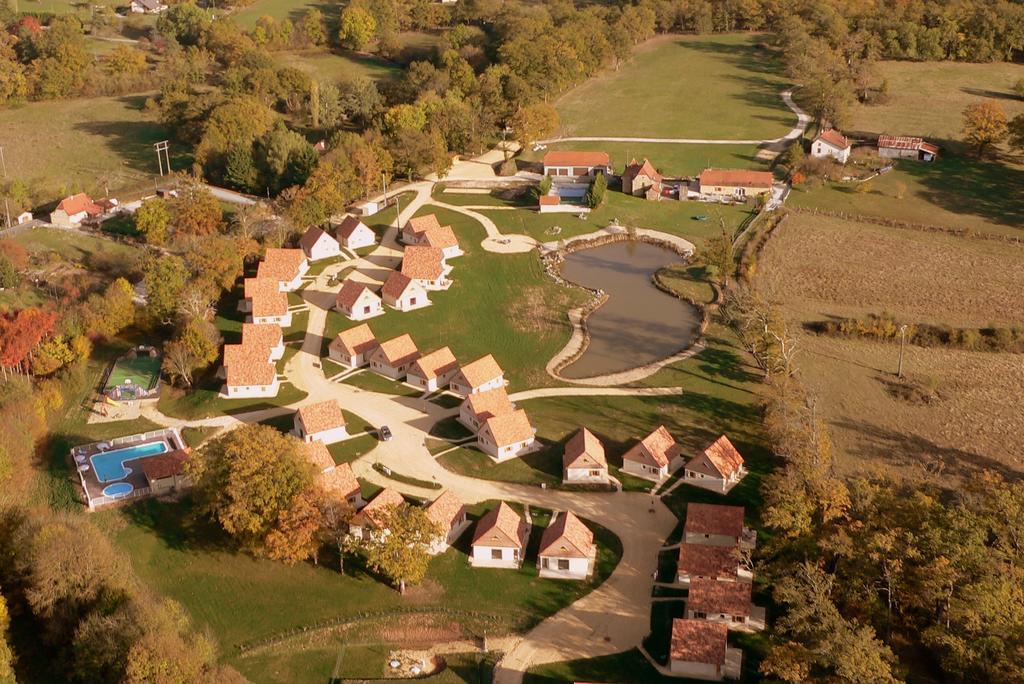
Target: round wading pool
x,y
118,489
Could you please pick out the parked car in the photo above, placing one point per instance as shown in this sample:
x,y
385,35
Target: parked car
x,y
385,433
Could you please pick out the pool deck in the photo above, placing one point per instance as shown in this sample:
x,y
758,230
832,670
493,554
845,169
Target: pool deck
x,y
81,455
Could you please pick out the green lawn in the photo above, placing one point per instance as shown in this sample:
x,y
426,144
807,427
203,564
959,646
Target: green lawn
x,y
351,449
205,402
719,86
335,67
671,159
450,428
373,382
543,467
95,253
284,9
532,325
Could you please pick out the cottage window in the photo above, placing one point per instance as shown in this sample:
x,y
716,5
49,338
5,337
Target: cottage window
x,y
544,563
496,554
563,563
595,473
700,615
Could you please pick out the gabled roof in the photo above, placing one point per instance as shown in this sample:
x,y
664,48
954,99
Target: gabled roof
x,y
575,158
281,264
699,641
423,263
396,285
357,340
494,402
737,178
716,519
374,512
481,371
833,138
657,449
708,561
567,537
501,527
165,465
247,365
266,296
441,237
633,169
724,457
350,225
398,350
421,224
713,597
434,364
446,510
509,428
584,450
350,293
75,204
267,335
323,415
899,142
340,481
318,454
312,236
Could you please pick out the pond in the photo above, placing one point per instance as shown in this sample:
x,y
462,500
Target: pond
x,y
639,324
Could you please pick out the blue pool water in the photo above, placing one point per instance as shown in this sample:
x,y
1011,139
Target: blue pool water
x,y
118,489
110,465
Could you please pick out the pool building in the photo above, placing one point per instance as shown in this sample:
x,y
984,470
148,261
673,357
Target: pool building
x,y
132,467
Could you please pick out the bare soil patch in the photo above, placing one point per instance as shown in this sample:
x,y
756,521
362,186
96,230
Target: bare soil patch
x,y
817,266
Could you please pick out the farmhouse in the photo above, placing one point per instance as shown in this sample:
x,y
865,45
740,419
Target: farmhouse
x,y
723,602
317,245
567,549
906,147
479,407
165,473
147,6
323,421
500,539
700,561
341,482
717,525
265,335
403,293
352,347
584,459
719,468
641,179
735,184
831,143
317,453
448,513
700,650
265,302
357,301
506,436
394,357
74,209
478,376
373,516
354,234
249,372
434,370
427,267
576,164
653,456
284,266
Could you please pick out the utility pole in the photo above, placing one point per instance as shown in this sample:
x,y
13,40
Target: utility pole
x,y
162,146
3,167
3,162
903,339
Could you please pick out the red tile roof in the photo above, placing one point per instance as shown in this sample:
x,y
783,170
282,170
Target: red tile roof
x,y
715,597
441,237
395,285
348,226
481,371
446,510
699,641
281,264
715,519
266,297
493,402
323,415
575,158
501,527
584,450
312,236
899,142
834,138
657,449
633,169
724,457
567,537
737,178
266,335
421,224
423,263
374,512
247,365
435,363
340,481
398,350
357,340
708,561
510,428
550,200
74,204
350,293
319,455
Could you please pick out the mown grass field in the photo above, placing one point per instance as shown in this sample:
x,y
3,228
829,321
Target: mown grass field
x,y
335,67
670,158
721,87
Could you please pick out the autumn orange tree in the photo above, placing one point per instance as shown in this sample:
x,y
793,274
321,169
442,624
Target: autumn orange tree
x,y
984,125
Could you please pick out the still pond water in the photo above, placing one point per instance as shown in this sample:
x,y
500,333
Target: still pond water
x,y
639,324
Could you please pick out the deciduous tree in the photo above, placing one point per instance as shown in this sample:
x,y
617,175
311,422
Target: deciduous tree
x,y
984,125
298,532
535,122
357,28
164,278
152,220
399,550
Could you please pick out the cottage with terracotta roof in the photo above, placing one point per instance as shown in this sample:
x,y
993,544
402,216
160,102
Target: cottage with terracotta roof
x,y
506,436
576,164
268,335
73,210
323,421
831,143
724,602
449,514
717,525
165,473
340,482
354,234
352,347
700,650
478,376
567,549
370,522
394,357
427,267
265,302
426,231
317,453
906,147
734,183
719,468
415,227
479,407
653,457
500,539
640,178
284,266
249,372
583,460
700,561
433,371
317,244
358,301
403,293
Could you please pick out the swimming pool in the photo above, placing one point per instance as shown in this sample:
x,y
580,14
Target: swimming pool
x,y
110,465
118,489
